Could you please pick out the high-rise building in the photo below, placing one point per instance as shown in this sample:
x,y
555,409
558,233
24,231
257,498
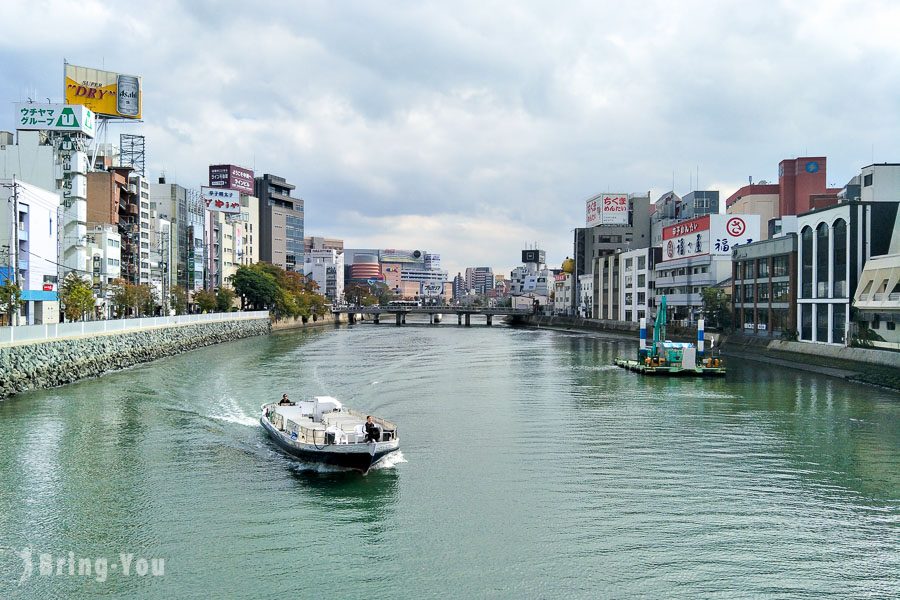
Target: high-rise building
x,y
280,223
56,162
479,279
185,211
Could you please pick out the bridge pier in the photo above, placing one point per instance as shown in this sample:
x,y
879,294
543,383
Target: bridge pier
x,y
351,318
459,318
431,318
467,319
404,318
375,318
489,320
398,319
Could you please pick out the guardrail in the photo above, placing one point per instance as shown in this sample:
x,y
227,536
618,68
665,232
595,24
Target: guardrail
x,y
38,333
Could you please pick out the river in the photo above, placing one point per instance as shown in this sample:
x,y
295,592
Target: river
x,y
530,468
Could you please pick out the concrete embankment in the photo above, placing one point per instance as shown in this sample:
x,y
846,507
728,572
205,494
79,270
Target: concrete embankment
x,y
299,323
864,365
53,362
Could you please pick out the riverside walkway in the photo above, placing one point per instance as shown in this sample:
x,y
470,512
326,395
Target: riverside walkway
x,y
435,313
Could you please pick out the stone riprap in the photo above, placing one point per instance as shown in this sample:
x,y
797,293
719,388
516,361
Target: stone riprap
x,y
49,364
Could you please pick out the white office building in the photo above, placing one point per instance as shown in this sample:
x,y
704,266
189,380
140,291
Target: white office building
x,y
326,268
28,229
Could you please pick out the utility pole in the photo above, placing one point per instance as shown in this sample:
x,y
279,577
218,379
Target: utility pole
x,y
16,242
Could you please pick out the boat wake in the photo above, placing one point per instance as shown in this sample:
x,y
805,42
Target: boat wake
x,y
232,413
389,461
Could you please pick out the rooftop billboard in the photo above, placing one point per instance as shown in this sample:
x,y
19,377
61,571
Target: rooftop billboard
x,y
607,209
55,117
231,177
106,93
218,200
709,234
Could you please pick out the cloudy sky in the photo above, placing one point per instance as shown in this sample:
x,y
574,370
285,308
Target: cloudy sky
x,y
471,129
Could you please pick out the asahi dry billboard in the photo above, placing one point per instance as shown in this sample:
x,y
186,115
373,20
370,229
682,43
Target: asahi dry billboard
x,y
106,93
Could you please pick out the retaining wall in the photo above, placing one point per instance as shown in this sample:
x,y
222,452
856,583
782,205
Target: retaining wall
x,y
56,362
297,323
862,355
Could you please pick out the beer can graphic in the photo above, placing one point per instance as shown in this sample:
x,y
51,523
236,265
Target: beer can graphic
x,y
128,102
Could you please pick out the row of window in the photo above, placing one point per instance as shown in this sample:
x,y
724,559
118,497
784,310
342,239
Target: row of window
x,y
814,250
776,266
814,318
764,319
641,263
779,291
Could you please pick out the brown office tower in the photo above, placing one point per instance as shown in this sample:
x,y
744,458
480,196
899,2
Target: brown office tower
x,y
280,223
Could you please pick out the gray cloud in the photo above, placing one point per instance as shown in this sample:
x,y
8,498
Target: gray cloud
x,y
471,128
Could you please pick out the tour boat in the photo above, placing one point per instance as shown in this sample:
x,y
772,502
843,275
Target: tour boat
x,y
323,430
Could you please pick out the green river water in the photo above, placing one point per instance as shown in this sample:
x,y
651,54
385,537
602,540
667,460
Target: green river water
x,y
530,468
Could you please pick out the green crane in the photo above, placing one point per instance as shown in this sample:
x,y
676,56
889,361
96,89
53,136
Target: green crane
x,y
659,328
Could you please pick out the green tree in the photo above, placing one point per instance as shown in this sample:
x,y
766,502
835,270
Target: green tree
x,y
123,297
206,300
77,297
10,299
179,300
360,293
716,309
256,285
225,299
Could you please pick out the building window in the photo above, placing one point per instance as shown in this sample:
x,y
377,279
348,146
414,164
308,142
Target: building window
x,y
642,298
780,266
749,269
762,292
641,280
839,326
867,180
821,322
641,263
780,291
780,319
763,268
805,311
748,293
839,286
822,259
891,326
806,246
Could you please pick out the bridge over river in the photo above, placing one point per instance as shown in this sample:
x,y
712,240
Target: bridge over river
x,y
435,313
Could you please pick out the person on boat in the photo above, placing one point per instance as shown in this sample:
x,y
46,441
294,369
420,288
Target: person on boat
x,y
372,432
285,401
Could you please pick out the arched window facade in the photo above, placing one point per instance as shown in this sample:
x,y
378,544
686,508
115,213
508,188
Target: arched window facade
x,y
839,283
822,255
806,241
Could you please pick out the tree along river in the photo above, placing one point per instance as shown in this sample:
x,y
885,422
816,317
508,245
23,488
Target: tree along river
x,y
530,468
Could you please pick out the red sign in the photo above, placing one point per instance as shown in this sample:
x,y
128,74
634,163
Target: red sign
x,y
48,287
736,226
686,227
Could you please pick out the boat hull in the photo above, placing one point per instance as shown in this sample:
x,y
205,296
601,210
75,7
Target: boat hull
x,y
359,457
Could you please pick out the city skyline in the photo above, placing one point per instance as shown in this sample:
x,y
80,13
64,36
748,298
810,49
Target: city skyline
x,y
478,130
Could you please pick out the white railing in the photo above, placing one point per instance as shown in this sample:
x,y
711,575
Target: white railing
x,y
38,333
